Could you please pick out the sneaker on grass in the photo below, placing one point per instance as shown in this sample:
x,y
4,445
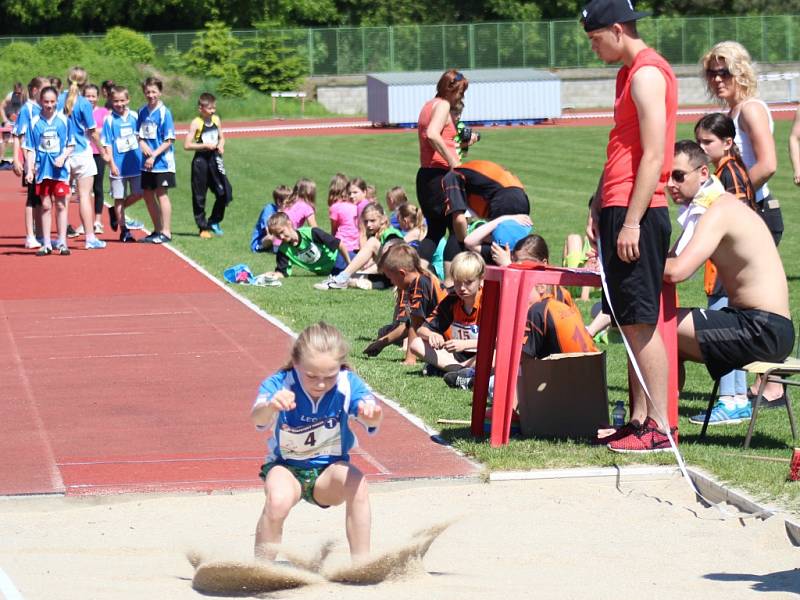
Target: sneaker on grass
x,y
725,415
462,379
216,229
331,283
643,440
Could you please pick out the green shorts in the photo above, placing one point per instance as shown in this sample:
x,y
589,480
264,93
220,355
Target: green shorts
x,y
306,477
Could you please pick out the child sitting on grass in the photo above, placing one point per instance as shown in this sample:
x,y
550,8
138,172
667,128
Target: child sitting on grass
x,y
418,293
379,233
260,239
308,247
308,406
412,223
448,340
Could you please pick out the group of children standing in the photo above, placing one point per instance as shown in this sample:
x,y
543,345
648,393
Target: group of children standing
x,y
63,142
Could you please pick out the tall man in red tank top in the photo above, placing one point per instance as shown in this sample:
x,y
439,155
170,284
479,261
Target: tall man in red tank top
x,y
629,218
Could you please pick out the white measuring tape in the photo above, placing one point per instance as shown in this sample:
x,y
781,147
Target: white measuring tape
x,y
662,418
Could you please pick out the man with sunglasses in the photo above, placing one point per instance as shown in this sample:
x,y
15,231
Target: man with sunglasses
x,y
757,324
629,218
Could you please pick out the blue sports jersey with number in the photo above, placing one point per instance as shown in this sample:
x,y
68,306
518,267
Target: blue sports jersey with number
x,y
120,134
154,128
81,120
29,110
48,140
314,434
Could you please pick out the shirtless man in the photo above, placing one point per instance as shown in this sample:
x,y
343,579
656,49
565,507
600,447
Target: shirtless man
x,y
757,323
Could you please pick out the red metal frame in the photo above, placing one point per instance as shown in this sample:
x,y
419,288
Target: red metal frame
x,y
502,325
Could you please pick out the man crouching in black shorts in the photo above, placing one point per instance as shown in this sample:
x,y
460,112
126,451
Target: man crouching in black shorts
x,y
756,325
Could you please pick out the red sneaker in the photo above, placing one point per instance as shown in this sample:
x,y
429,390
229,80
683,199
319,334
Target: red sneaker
x,y
645,439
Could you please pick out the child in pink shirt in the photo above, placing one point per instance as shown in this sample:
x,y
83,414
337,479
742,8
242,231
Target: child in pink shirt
x,y
300,205
344,214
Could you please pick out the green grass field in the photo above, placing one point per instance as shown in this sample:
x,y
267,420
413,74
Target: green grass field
x,y
559,168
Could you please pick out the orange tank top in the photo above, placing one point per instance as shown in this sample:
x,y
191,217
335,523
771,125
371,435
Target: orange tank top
x,y
428,156
624,150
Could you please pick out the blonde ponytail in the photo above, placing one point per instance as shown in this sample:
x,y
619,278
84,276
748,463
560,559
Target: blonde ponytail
x,y
77,79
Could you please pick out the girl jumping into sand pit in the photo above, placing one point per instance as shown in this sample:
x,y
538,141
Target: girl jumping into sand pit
x,y
308,406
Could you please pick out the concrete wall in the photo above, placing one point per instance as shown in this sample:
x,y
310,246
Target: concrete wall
x,y
590,88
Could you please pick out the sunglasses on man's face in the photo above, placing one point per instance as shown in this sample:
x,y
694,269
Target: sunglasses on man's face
x,y
721,73
679,176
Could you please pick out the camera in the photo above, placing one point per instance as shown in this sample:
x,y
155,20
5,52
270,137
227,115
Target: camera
x,y
466,135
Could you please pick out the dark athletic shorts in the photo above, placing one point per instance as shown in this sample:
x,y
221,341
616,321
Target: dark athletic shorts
x,y
153,181
732,337
307,478
770,210
635,288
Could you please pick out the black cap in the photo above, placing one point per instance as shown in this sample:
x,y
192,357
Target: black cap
x,y
604,13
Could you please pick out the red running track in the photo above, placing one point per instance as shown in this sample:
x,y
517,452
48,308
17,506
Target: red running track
x,y
127,370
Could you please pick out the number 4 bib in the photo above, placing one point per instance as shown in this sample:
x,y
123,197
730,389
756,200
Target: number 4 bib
x,y
309,441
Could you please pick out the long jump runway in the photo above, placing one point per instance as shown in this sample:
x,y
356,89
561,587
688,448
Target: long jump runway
x,y
127,370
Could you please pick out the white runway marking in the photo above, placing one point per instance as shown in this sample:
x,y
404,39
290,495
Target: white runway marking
x,y
197,353
291,127
7,588
66,335
160,460
118,315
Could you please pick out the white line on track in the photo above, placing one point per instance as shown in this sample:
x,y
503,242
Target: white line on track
x,y
681,112
118,315
160,460
7,588
66,335
291,127
145,354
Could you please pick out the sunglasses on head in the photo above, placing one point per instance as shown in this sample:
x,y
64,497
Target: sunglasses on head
x,y
680,176
459,76
721,73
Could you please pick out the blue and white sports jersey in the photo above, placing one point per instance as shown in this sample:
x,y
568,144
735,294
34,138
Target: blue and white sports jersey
x,y
119,133
155,127
81,120
314,434
29,110
48,140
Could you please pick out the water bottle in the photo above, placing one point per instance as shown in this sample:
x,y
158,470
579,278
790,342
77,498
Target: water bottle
x,y
618,414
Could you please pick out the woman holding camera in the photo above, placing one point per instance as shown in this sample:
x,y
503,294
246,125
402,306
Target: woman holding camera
x,y
438,155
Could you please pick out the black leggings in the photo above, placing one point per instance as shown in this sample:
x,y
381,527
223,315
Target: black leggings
x,y
98,183
431,198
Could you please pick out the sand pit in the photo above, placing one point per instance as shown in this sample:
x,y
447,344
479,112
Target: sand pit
x,y
543,539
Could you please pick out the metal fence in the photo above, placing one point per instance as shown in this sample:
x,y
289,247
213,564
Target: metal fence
x,y
543,44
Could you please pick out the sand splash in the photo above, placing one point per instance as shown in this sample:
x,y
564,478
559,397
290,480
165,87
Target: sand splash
x,y
241,578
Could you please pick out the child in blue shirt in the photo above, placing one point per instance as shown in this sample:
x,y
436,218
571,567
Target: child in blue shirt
x,y
121,152
156,134
308,406
48,144
261,240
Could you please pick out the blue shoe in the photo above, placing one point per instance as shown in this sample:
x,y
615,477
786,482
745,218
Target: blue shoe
x,y
721,415
215,229
95,244
133,223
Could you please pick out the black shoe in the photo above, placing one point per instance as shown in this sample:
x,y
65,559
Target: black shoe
x,y
44,251
462,379
768,404
71,231
432,371
126,237
161,239
63,250
150,239
112,218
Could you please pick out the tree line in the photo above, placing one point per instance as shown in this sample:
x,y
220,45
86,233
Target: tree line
x,y
38,17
